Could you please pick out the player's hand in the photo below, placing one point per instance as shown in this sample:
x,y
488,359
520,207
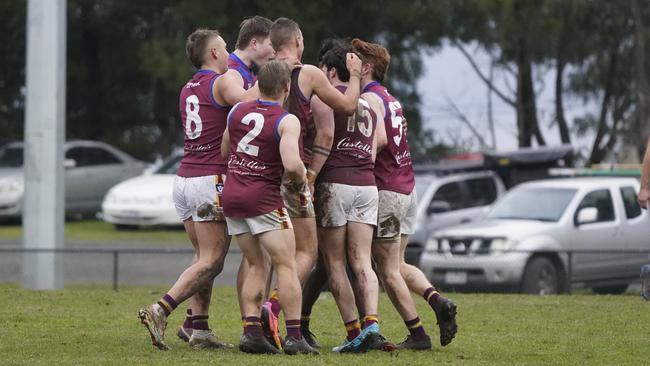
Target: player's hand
x,y
643,197
293,62
312,189
353,63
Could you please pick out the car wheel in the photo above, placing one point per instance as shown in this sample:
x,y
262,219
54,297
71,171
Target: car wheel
x,y
540,277
123,227
610,290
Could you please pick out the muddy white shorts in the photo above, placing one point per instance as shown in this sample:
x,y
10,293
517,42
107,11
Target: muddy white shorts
x,y
336,204
274,220
199,198
397,214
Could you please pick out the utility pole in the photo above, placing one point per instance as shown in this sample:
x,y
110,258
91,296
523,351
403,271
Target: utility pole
x,y
43,205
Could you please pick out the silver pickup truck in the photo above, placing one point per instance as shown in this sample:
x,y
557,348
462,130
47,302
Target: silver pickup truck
x,y
521,244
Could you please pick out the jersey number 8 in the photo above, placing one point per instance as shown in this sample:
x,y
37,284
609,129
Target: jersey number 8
x,y
192,118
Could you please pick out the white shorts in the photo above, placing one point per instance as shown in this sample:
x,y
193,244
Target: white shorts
x,y
199,198
274,220
397,214
336,204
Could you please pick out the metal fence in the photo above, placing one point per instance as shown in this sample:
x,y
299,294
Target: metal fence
x,y
116,252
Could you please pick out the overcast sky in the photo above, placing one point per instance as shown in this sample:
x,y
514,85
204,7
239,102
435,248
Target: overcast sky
x,y
448,73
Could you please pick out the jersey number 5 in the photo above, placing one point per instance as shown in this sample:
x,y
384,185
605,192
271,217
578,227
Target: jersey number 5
x,y
244,144
192,117
396,121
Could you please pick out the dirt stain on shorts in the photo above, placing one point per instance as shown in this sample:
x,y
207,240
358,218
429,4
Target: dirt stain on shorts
x,y
389,227
206,211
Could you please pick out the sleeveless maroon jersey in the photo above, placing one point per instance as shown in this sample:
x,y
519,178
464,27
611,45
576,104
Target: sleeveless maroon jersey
x,y
393,166
350,161
299,105
203,123
255,166
235,63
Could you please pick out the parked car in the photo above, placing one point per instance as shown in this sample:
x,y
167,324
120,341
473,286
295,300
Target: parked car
x,y
145,200
450,200
91,168
520,243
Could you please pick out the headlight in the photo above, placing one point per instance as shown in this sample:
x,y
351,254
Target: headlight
x,y
500,245
431,246
111,198
12,186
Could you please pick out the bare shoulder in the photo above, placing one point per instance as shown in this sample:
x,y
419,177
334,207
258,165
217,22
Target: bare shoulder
x,y
289,123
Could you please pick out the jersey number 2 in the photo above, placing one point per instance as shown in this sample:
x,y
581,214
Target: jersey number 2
x,y
244,144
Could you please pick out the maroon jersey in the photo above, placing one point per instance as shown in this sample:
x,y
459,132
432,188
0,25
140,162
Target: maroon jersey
x,y
393,166
235,63
299,105
203,122
255,166
350,161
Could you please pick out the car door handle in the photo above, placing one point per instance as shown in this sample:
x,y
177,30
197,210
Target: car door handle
x,y
465,221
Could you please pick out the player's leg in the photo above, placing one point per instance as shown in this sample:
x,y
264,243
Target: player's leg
x,y
185,330
310,293
281,248
252,292
444,308
334,257
386,254
417,282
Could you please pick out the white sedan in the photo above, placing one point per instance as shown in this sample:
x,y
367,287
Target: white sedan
x,y
145,200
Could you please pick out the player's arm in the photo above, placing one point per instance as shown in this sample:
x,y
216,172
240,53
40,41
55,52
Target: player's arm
x,y
380,140
644,191
324,122
289,131
228,90
347,102
225,144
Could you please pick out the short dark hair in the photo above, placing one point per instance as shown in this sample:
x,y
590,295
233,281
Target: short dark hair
x,y
335,58
374,54
282,32
196,44
328,44
272,78
250,28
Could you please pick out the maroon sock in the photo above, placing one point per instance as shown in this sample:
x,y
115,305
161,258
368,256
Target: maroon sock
x,y
168,304
293,328
304,321
275,303
353,329
433,297
253,326
416,329
187,324
200,322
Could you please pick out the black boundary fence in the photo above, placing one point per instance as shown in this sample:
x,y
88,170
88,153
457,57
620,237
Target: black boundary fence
x,y
116,252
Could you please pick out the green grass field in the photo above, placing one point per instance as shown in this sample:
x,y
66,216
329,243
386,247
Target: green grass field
x,y
100,231
93,325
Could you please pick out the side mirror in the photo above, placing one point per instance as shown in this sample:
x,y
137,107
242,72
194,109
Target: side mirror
x,y
438,207
587,215
69,163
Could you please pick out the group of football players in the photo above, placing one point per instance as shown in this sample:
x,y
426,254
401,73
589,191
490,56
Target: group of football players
x,y
308,168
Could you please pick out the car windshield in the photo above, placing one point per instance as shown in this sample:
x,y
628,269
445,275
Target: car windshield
x,y
11,157
543,204
170,166
422,183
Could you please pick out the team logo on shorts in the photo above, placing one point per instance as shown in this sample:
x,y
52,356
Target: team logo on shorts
x,y
220,187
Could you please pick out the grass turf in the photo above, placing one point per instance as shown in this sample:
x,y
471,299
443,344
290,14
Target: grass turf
x,y
93,325
100,231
